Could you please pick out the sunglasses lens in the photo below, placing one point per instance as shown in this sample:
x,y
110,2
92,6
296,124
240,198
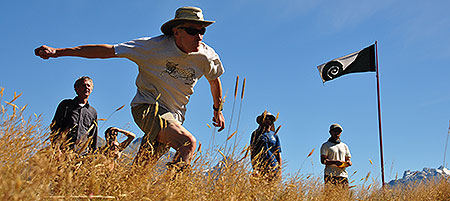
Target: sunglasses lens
x,y
202,31
193,32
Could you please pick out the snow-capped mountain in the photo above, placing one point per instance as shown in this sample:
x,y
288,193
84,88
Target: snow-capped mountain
x,y
427,174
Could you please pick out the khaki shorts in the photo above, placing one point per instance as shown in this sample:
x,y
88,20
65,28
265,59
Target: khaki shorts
x,y
151,119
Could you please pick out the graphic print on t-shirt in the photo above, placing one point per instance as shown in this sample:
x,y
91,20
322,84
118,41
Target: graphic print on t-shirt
x,y
187,75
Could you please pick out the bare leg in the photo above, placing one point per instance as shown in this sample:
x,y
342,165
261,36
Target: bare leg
x,y
177,137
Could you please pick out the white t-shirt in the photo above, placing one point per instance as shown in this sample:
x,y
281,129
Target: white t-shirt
x,y
167,71
335,152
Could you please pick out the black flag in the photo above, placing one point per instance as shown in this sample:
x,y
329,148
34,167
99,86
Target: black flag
x,y
360,61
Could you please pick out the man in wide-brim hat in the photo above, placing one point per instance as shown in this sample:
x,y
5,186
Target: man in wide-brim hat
x,y
169,67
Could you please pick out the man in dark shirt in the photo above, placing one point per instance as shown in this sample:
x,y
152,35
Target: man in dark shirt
x,y
74,125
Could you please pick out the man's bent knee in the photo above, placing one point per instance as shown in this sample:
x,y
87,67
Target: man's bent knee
x,y
186,142
177,137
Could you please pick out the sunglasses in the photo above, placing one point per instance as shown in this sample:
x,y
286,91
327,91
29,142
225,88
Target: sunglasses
x,y
192,31
337,130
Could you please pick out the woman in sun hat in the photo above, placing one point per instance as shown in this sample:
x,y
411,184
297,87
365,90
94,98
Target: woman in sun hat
x,y
265,148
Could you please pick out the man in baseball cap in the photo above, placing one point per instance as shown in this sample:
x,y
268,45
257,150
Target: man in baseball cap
x,y
335,155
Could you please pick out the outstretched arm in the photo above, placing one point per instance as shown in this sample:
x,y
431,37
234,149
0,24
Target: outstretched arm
x,y
216,91
101,51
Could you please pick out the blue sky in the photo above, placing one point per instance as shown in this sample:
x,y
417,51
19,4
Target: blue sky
x,y
276,46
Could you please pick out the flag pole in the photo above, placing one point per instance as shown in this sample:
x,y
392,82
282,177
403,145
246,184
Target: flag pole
x,y
446,142
379,114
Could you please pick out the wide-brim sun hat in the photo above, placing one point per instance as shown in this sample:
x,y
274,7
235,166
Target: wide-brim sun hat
x,y
267,115
185,14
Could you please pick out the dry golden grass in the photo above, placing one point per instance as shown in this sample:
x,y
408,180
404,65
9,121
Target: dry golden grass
x,y
30,170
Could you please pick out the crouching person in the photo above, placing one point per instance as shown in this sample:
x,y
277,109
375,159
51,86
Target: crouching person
x,y
113,149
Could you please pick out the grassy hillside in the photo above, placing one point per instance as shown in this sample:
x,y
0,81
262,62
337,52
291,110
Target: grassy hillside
x,y
30,170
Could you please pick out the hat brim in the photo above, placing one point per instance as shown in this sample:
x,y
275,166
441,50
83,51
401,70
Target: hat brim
x,y
166,28
259,119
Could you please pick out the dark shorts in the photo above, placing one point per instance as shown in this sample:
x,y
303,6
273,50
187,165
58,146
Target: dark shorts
x,y
151,119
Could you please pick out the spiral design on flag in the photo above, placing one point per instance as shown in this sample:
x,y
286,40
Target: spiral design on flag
x,y
332,69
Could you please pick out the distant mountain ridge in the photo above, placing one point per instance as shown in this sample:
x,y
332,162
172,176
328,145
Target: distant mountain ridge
x,y
427,174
